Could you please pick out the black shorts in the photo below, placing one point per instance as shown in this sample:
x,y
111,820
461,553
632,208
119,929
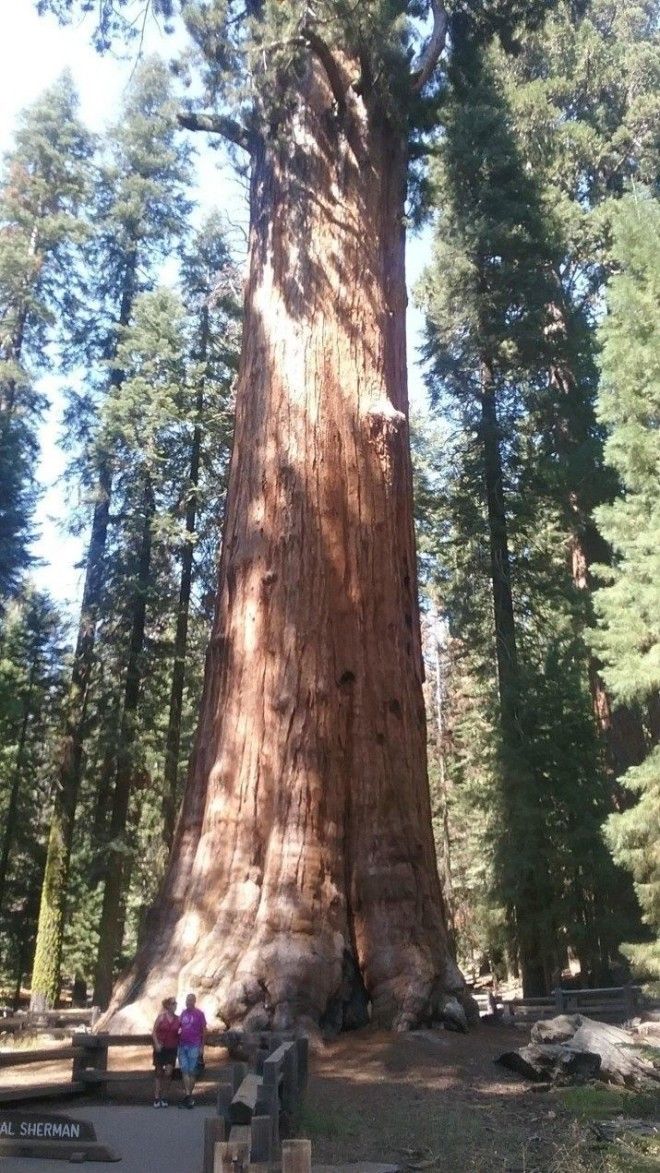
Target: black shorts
x,y
166,1057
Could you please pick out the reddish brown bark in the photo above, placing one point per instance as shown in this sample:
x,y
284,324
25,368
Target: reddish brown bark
x,y
304,849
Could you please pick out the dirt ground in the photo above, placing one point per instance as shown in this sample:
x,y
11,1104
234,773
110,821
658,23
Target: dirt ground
x,y
424,1101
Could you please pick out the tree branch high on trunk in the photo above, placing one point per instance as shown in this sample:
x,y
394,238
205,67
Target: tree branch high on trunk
x,y
213,123
433,48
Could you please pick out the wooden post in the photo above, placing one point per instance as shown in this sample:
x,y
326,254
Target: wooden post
x,y
238,1073
92,1054
268,1105
296,1156
290,1086
225,1095
302,1048
214,1131
559,1000
262,1140
231,1157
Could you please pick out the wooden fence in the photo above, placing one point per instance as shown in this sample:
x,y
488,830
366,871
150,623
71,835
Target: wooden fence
x,y
52,1022
611,1003
256,1109
89,1056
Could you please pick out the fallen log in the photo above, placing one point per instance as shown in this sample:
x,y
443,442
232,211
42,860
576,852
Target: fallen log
x,y
571,1048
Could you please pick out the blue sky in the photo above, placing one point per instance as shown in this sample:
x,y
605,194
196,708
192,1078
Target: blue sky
x,y
33,53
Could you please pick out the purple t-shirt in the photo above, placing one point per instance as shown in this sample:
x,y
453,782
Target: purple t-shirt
x,y
192,1028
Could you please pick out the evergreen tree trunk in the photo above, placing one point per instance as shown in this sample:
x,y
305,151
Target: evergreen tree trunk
x,y
304,850
519,792
445,845
171,773
106,777
47,964
12,807
110,928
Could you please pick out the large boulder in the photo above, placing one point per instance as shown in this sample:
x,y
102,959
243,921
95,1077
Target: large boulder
x,y
571,1048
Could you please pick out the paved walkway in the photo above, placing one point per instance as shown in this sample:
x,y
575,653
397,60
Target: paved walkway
x,y
168,1140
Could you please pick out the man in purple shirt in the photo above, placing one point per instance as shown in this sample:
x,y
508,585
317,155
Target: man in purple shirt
x,y
192,1033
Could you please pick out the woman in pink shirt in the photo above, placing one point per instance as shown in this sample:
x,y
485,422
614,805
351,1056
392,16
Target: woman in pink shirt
x,y
166,1040
192,1034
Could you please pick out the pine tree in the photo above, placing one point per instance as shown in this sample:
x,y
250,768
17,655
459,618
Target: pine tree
x,y
31,677
584,95
492,296
140,207
628,638
43,186
210,286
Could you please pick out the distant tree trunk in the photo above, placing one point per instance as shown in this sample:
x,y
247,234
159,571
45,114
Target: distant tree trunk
x,y
445,844
45,986
103,790
111,924
12,807
47,963
171,773
303,858
519,790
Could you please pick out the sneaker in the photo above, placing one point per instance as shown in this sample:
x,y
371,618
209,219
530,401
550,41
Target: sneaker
x,y
164,1104
190,1103
158,1104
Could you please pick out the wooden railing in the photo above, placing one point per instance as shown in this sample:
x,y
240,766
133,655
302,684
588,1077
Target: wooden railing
x,y
89,1055
256,1109
53,1022
610,1002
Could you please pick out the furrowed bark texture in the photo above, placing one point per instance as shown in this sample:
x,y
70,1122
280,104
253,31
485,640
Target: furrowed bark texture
x,y
304,850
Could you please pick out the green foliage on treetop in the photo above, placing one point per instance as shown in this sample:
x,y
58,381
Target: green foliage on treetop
x,y
44,183
249,55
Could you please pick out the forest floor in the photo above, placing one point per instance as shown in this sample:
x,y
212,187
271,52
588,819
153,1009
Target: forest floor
x,y
429,1100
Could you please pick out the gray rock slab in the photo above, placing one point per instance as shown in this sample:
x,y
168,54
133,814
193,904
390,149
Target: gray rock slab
x,y
165,1140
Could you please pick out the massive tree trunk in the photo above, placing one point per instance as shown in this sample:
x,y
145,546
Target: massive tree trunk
x,y
304,849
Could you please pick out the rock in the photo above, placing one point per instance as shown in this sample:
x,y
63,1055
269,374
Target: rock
x,y
555,1030
554,1062
577,1066
453,1016
586,1050
523,1064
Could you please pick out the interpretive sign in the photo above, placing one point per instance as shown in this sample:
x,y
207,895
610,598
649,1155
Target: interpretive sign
x,y
39,1126
50,1137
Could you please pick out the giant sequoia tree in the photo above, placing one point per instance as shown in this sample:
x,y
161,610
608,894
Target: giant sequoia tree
x,y
303,866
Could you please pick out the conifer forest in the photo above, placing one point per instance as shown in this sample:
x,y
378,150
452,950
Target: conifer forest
x,y
359,701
